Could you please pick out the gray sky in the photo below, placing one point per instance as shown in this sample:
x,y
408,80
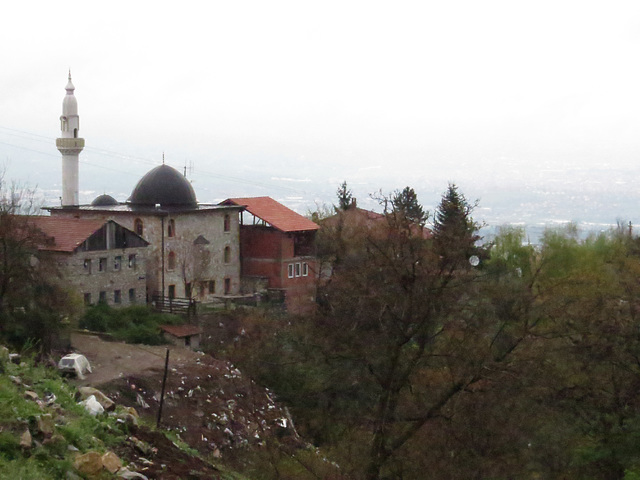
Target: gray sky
x,y
289,98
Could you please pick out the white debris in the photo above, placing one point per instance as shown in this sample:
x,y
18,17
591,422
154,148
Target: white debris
x,y
92,405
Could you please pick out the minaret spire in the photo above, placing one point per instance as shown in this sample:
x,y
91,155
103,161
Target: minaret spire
x,y
70,145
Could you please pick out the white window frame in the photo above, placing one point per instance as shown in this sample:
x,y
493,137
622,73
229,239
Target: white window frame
x,y
305,269
290,270
298,269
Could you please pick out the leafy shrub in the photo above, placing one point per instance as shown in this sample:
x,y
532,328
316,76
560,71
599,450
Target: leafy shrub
x,y
136,324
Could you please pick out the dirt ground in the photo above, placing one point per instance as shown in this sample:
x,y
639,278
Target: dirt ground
x,y
113,360
209,403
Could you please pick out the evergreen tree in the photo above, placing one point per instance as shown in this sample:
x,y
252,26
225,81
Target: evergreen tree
x,y
345,196
405,204
454,231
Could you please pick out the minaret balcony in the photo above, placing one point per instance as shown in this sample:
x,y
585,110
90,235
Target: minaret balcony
x,y
70,146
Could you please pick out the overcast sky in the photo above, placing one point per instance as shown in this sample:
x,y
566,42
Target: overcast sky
x,y
289,98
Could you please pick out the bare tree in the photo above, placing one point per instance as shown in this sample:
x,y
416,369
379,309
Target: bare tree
x,y
195,260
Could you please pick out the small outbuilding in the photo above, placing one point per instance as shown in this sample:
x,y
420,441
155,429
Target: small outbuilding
x,y
183,335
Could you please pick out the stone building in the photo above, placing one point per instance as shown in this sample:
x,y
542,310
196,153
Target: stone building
x,y
194,249
100,259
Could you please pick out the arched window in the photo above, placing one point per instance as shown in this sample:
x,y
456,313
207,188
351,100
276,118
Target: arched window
x,y
138,226
227,223
171,228
227,254
171,261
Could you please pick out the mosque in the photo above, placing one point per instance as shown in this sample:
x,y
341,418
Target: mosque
x,y
208,252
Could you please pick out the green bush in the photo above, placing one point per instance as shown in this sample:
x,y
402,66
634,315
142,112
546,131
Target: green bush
x,y
136,324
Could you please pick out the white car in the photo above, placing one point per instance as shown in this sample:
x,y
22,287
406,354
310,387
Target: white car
x,y
74,363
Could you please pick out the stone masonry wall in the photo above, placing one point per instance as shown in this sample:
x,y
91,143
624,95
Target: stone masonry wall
x,y
190,259
84,272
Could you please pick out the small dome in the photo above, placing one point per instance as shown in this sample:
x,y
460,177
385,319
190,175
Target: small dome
x,y
104,201
163,185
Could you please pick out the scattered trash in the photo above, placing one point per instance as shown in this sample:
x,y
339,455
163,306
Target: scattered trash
x,y
141,402
92,405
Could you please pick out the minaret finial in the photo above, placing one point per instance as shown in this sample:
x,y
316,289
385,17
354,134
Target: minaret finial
x,y
163,158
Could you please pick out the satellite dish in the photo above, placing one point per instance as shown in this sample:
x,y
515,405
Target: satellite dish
x,y
474,260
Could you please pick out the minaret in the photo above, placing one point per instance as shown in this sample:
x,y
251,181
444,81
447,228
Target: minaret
x,y
70,146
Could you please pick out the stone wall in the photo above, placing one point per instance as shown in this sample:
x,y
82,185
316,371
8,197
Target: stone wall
x,y
203,264
106,274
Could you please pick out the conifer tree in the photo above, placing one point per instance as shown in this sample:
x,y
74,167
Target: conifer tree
x,y
454,230
405,203
345,196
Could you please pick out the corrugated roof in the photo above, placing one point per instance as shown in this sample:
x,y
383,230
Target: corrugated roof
x,y
67,233
181,331
276,214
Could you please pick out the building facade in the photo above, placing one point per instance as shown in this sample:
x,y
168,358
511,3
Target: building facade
x,y
101,260
277,248
202,252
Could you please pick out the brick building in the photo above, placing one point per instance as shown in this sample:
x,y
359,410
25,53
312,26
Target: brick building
x,y
277,251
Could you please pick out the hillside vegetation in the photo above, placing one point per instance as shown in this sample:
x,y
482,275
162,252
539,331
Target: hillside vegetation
x,y
46,433
433,357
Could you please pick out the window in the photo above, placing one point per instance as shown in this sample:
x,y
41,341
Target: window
x,y
227,223
290,270
172,291
187,290
87,299
171,228
103,297
212,286
117,297
138,226
227,254
102,265
87,266
117,261
298,271
305,269
227,286
171,263
132,261
132,295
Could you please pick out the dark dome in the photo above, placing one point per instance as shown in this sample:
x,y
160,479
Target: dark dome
x,y
165,186
104,201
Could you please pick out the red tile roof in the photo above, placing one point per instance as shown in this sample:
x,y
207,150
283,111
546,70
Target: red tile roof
x,y
274,213
67,233
181,331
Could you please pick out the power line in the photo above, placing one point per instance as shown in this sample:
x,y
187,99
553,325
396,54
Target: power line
x,y
122,156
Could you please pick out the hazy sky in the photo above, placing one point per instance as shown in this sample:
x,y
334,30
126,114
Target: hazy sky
x,y
289,98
